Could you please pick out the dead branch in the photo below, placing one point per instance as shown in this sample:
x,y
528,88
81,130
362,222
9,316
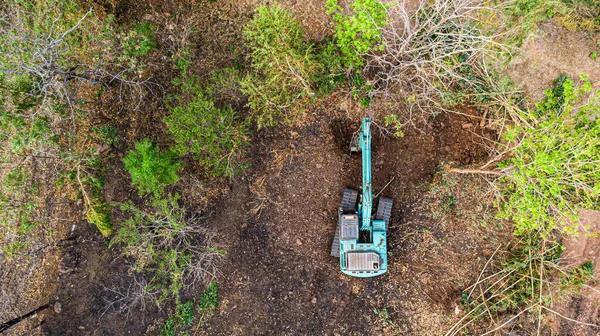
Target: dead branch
x,y
476,171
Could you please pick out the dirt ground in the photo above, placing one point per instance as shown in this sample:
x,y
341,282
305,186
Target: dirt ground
x,y
551,52
584,307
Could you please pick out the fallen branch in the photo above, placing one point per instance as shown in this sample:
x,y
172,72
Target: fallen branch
x,y
570,319
475,171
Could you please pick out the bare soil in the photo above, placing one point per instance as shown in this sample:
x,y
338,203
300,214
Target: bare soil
x,y
552,52
584,307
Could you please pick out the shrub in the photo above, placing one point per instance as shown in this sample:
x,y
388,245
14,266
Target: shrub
x,y
527,282
140,40
209,299
552,172
169,243
18,205
359,32
151,170
97,214
282,65
214,136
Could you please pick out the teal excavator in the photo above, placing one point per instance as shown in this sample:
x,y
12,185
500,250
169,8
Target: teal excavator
x,y
360,240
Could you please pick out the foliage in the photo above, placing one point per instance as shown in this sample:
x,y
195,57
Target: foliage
x,y
17,204
98,214
552,172
23,134
140,40
384,318
169,327
62,49
108,134
584,14
332,72
359,32
184,313
151,170
215,137
577,277
169,243
393,121
282,65
209,301
518,19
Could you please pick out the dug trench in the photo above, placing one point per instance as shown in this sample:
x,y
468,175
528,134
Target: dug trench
x,y
276,223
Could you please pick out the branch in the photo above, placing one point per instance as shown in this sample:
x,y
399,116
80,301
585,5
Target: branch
x,y
476,171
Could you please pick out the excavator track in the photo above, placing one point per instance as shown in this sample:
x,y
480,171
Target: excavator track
x,y
349,200
384,210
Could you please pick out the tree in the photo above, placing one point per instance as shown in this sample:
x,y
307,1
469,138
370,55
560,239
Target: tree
x,y
170,243
60,49
214,136
282,66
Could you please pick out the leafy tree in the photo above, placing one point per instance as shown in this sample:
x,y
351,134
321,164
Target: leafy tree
x,y
552,172
214,136
151,170
282,65
359,32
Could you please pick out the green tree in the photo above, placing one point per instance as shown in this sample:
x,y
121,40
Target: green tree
x,y
282,66
358,33
214,136
151,170
168,242
553,171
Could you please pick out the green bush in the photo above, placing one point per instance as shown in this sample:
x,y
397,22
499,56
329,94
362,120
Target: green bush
x,y
97,214
282,65
209,299
209,302
359,32
169,327
18,205
553,170
215,137
151,170
185,313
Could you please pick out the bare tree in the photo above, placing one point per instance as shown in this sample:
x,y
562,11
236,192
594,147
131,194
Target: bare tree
x,y
137,295
426,51
51,60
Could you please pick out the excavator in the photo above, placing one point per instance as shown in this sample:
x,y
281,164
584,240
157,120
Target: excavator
x,y
360,240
